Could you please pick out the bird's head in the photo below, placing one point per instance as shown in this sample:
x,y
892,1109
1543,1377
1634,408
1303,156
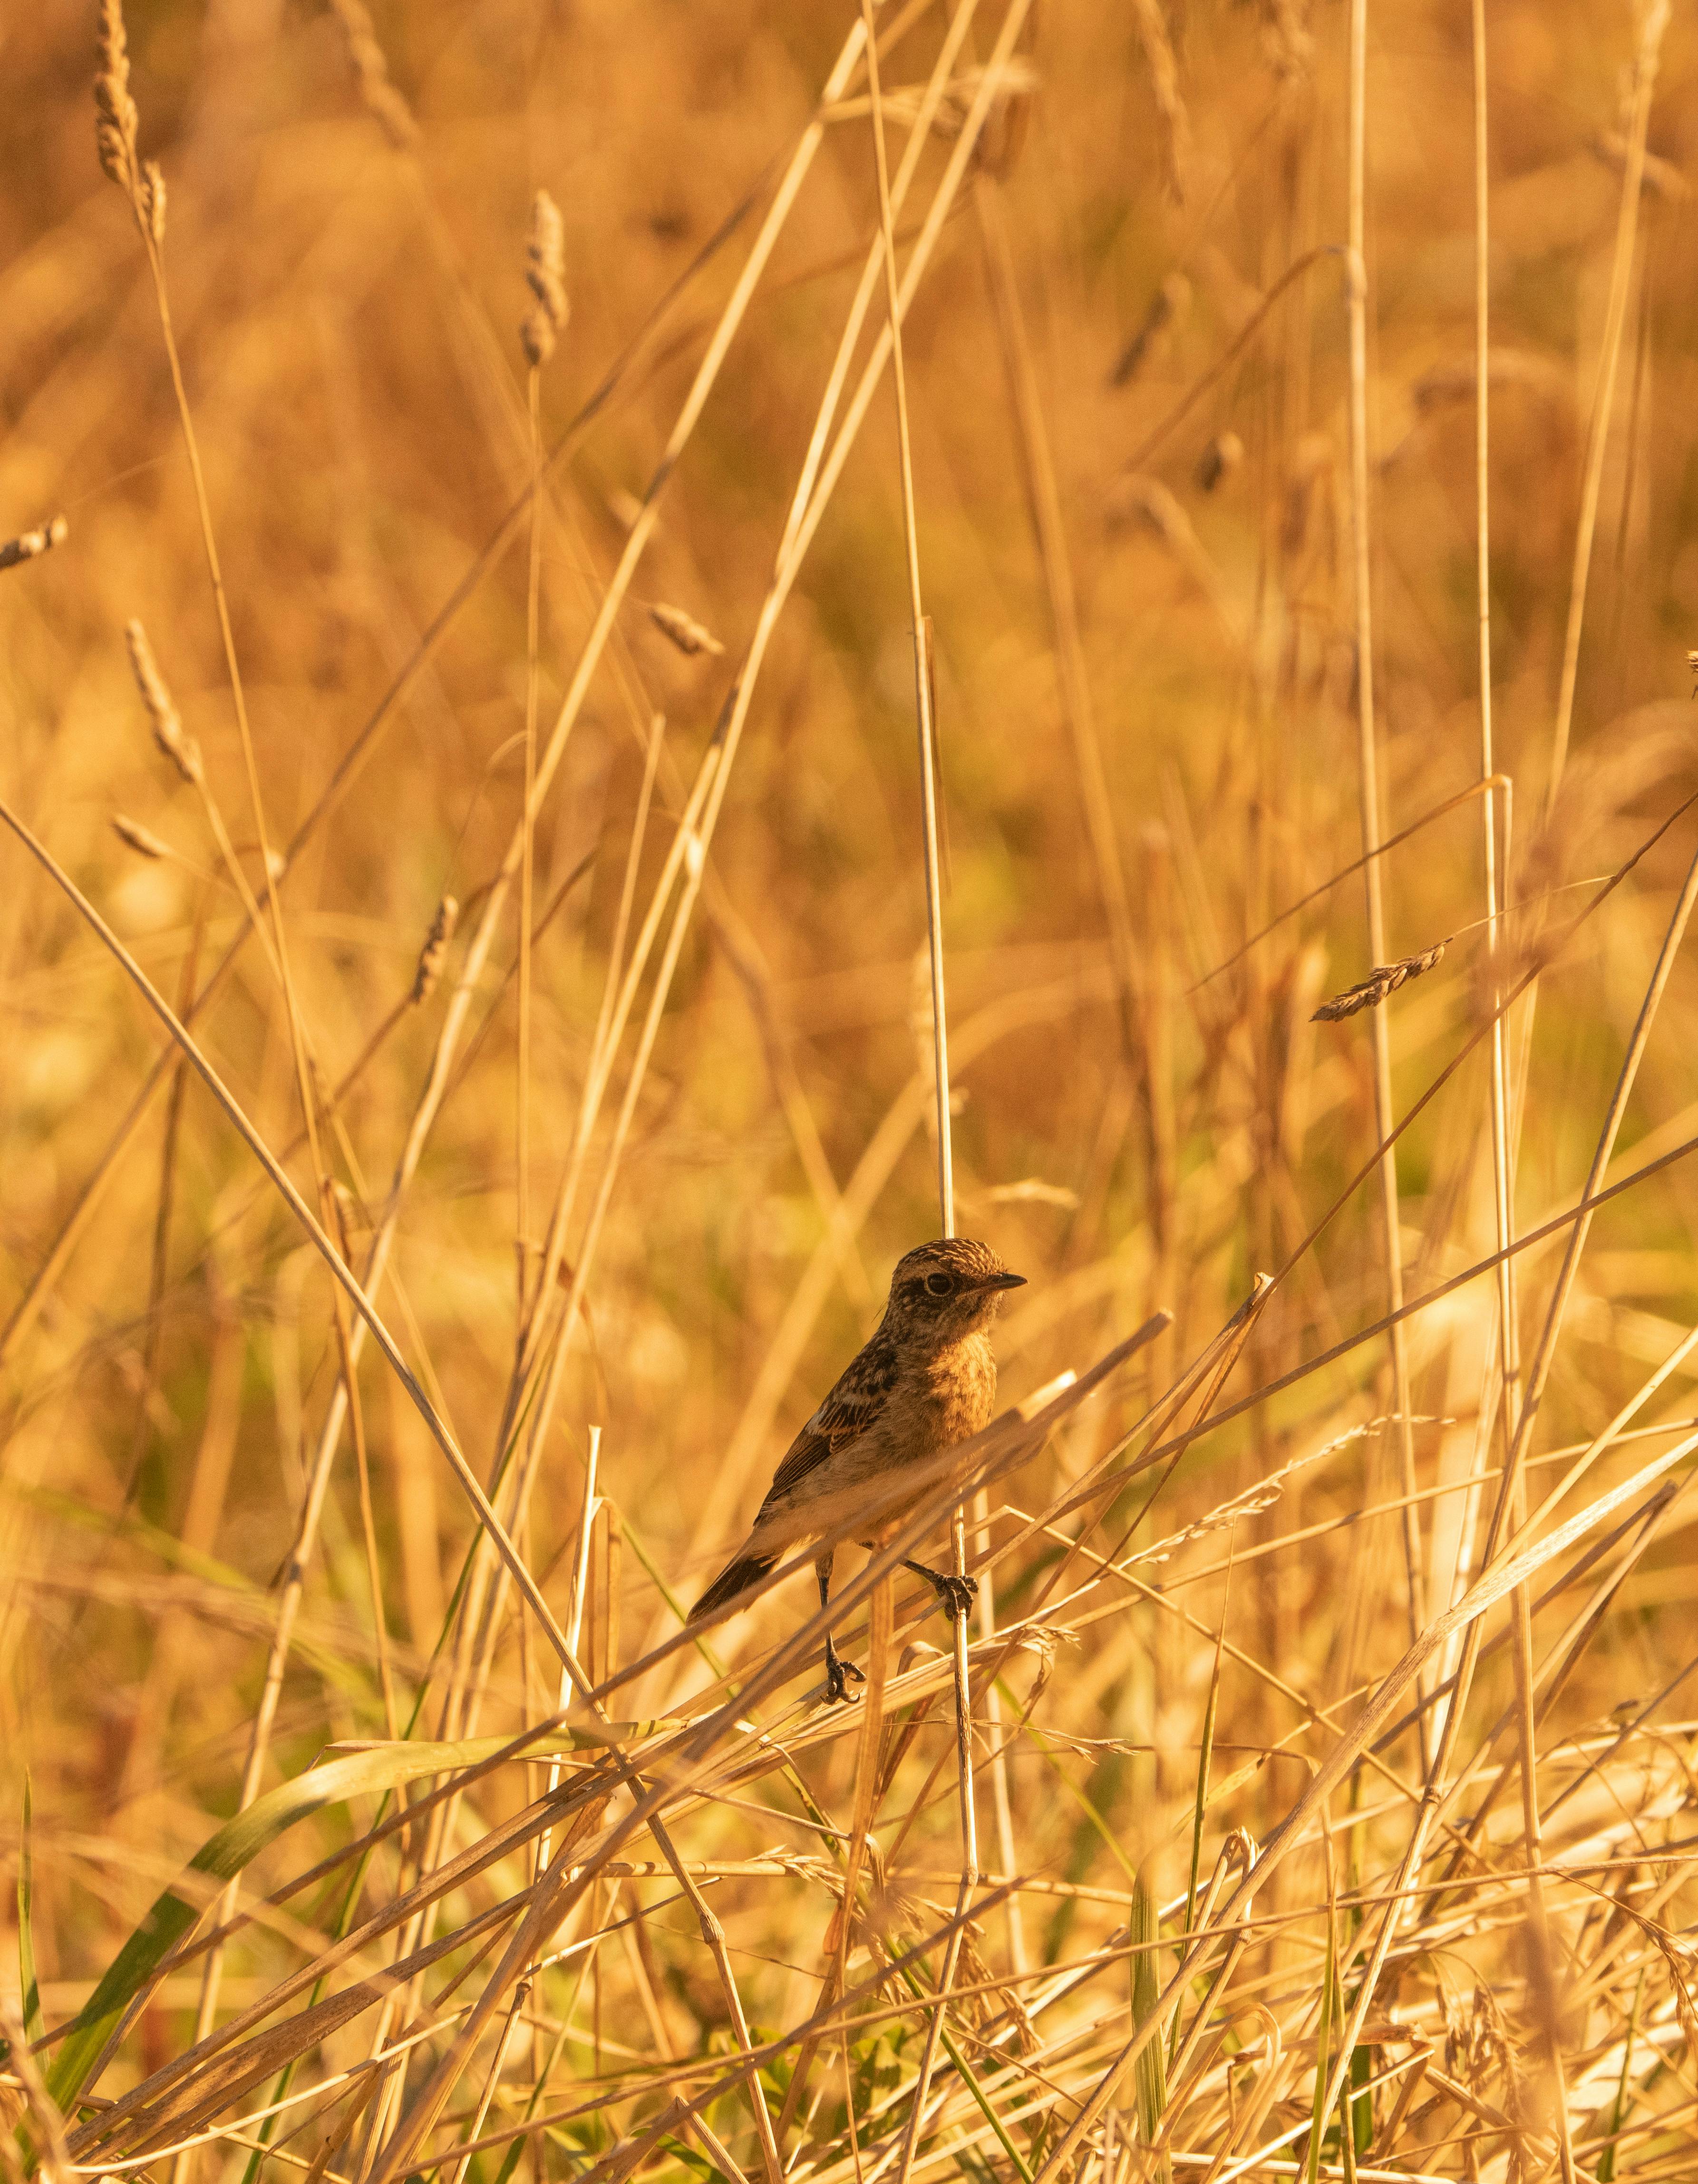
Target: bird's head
x,y
950,1287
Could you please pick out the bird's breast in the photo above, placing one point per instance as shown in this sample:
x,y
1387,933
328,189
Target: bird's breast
x,y
961,1391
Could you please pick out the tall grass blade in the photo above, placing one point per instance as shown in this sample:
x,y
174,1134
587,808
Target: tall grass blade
x,y
223,1856
29,1987
1143,1933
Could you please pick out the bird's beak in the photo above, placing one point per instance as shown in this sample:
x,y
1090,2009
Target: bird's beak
x,y
1004,1281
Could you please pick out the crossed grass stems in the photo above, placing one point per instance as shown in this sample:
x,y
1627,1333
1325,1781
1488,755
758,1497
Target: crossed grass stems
x,y
1012,2093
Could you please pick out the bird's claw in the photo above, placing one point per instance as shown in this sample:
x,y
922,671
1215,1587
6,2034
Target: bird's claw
x,y
838,1675
955,1595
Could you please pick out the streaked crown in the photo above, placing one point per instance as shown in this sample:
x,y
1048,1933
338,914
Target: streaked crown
x,y
954,1278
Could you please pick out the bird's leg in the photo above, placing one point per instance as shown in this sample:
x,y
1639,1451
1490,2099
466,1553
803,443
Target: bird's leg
x,y
955,1595
837,1672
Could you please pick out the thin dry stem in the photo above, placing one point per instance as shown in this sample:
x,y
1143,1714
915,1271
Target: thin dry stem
x,y
922,678
1367,753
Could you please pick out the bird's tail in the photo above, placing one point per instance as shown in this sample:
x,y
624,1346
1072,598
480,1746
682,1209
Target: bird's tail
x,y
736,1577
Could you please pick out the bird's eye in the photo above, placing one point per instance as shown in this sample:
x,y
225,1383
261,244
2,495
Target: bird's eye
x,y
938,1286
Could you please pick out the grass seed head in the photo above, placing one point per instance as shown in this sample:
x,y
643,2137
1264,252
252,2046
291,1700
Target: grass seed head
x,y
377,95
1169,304
28,544
1162,65
138,838
433,955
545,272
685,632
1218,460
152,199
1383,980
182,750
115,116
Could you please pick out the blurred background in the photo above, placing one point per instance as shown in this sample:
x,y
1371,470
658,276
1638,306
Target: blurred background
x,y
1128,370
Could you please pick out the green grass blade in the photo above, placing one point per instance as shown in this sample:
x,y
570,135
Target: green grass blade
x,y
1323,2055
1204,1757
1359,2106
29,1988
225,1855
1618,2113
1151,2067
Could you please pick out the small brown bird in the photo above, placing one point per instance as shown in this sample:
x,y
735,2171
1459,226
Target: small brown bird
x,y
926,1379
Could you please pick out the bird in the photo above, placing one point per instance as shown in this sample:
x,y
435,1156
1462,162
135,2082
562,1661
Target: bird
x,y
924,1379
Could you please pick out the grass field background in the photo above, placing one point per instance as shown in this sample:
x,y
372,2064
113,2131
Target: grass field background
x,y
634,1188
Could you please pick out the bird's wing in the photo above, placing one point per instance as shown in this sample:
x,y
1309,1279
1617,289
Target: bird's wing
x,y
856,1403
806,1453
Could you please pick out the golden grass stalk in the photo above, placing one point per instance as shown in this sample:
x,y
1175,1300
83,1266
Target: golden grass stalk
x,y
924,699
1368,767
1653,22
922,677
545,275
1038,468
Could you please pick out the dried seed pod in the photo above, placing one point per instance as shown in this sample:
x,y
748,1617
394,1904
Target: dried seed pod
x,y
685,631
29,543
1383,980
377,95
152,199
1219,459
433,955
115,116
545,273
1170,104
1170,302
138,838
182,750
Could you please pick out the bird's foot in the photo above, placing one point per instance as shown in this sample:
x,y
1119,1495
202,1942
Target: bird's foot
x,y
955,1595
839,1674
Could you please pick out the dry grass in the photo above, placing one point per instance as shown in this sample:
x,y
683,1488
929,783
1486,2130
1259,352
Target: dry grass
x,y
470,1062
